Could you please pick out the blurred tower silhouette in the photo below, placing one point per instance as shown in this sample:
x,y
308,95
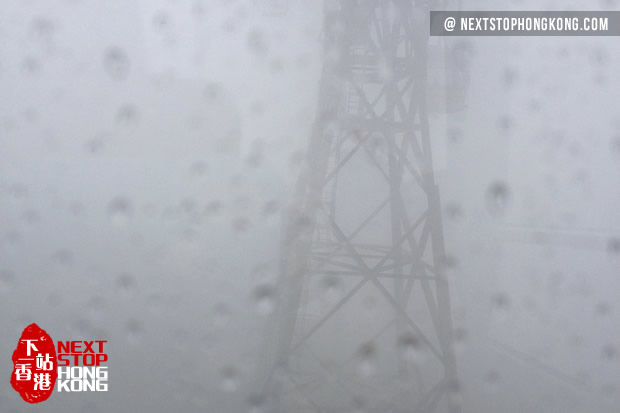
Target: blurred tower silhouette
x,y
364,318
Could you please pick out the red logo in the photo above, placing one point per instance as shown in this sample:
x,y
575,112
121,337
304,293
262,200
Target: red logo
x,y
34,365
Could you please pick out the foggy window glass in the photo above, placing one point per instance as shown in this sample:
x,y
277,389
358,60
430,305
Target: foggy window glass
x,y
276,206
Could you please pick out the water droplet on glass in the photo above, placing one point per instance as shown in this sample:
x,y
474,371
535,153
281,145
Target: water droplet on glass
x,y
63,257
615,146
454,134
270,207
332,288
613,247
96,307
134,331
155,303
256,42
500,303
603,309
43,28
459,335
54,299
31,216
609,352
18,191
411,348
510,77
198,168
497,197
222,314
127,116
229,379
7,281
81,328
212,91
241,224
505,123
454,211
116,63
161,20
264,295
120,211
95,145
125,283
599,57
367,354
492,377
256,403
31,65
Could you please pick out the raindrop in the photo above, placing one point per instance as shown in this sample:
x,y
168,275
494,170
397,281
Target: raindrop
x,y
222,314
369,303
63,256
500,302
447,264
155,303
76,208
230,379
54,299
277,65
161,20
454,134
455,396
613,246
331,287
492,377
187,205
510,77
460,338
127,115
31,65
410,348
95,145
13,238
497,198
125,283
609,352
116,63
505,123
212,91
134,331
241,224
256,153
270,207
256,403
609,389
120,211
7,281
367,354
454,211
198,168
264,296
96,307
603,309
213,208
18,191
615,146
256,42
81,327
599,57
534,105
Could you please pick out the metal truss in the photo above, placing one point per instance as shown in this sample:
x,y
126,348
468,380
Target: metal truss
x,y
366,222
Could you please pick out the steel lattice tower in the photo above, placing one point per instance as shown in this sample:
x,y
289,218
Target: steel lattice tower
x,y
364,314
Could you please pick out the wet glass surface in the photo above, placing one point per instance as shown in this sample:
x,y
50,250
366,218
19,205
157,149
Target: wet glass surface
x,y
289,206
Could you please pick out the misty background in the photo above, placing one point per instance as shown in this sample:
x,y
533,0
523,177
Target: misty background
x,y
148,150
